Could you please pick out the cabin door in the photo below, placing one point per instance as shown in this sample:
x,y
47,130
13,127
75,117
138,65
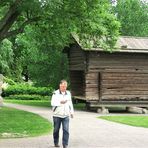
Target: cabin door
x,y
77,83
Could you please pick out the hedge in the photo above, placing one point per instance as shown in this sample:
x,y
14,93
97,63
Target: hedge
x,y
28,97
23,89
9,81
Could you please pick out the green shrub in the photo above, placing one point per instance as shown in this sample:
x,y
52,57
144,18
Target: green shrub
x,y
27,97
21,89
9,81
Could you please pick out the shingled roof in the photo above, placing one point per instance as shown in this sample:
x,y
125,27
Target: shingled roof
x,y
133,44
126,44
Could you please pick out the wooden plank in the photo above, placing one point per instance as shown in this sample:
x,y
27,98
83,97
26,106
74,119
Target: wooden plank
x,y
131,92
138,81
125,87
91,74
125,78
121,74
107,59
76,62
79,97
92,85
77,67
91,81
92,97
91,93
91,90
124,97
120,56
118,70
119,67
118,63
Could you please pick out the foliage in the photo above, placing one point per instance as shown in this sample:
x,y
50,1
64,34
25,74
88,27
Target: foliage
x,y
35,55
133,17
20,89
6,56
59,18
39,30
9,81
27,97
28,124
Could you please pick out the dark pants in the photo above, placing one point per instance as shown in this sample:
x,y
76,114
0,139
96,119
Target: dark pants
x,y
57,124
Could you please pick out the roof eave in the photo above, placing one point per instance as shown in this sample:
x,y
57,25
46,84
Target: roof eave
x,y
118,50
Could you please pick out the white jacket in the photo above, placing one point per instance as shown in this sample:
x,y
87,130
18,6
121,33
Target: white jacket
x,y
62,110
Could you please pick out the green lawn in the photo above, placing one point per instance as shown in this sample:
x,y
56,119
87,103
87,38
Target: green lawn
x,y
139,121
16,123
42,103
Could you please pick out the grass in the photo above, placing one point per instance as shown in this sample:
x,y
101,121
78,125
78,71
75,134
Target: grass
x,y
139,121
16,123
42,103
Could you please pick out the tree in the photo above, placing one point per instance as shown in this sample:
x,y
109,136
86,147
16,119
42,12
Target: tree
x,y
6,56
39,29
133,17
19,11
86,18
38,61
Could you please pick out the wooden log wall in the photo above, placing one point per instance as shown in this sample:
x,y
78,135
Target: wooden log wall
x,y
124,76
127,86
126,62
76,58
108,76
92,86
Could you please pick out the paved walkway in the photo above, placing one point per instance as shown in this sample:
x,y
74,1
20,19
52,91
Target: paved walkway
x,y
86,131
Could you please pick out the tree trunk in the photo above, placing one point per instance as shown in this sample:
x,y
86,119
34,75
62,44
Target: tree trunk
x,y
25,73
8,20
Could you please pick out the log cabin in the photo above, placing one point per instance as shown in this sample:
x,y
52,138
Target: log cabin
x,y
102,78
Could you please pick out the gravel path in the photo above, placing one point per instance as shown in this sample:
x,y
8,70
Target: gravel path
x,y
86,131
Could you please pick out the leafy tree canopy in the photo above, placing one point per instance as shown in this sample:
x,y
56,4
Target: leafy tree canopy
x,y
38,29
133,15
58,18
6,55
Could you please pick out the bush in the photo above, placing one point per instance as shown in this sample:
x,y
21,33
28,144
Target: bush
x,y
28,97
22,89
9,81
